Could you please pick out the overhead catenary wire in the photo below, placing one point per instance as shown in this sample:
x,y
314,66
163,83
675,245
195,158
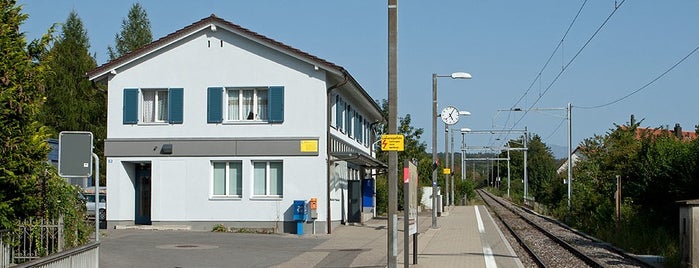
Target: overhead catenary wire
x,y
560,43
538,76
565,67
644,86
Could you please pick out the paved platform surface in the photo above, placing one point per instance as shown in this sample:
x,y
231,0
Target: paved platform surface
x,y
466,236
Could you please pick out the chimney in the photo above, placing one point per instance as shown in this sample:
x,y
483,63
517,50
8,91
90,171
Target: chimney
x,y
633,121
678,131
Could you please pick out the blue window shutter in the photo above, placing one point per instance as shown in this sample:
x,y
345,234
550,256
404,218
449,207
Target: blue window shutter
x,y
214,106
276,104
176,105
130,106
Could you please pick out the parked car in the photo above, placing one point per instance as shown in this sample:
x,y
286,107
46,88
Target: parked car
x,y
89,193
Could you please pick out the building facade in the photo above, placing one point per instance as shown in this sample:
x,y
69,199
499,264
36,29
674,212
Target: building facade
x,y
216,124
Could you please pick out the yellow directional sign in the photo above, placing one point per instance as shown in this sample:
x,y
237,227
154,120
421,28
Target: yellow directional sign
x,y
446,171
392,142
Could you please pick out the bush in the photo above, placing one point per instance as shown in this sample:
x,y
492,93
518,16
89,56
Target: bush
x,y
219,228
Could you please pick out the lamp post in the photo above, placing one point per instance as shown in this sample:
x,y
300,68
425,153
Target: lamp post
x,y
457,75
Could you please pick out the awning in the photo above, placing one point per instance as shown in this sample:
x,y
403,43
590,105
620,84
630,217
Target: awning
x,y
360,159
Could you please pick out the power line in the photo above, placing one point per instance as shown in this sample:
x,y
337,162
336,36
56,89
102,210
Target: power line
x,y
644,86
555,130
616,7
560,43
538,76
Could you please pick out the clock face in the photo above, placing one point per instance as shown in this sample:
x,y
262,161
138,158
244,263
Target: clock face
x,y
450,115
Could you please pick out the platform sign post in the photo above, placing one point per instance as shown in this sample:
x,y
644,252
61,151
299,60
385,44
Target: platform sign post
x,y
75,159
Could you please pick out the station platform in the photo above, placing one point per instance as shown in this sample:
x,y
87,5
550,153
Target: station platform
x,y
466,236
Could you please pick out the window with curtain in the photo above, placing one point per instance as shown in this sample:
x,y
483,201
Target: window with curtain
x,y
247,104
234,104
268,178
227,179
155,105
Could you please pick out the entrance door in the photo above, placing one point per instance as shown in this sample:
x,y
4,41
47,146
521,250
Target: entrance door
x,y
354,190
143,188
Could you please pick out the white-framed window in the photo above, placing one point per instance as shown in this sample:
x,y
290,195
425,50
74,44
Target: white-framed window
x,y
247,104
268,178
227,179
154,105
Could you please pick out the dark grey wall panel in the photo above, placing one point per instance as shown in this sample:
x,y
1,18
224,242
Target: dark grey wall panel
x,y
207,147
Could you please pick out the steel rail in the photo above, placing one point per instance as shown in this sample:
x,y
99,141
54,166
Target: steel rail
x,y
587,259
520,241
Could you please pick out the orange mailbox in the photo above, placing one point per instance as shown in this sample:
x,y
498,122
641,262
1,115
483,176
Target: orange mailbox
x,y
313,203
313,207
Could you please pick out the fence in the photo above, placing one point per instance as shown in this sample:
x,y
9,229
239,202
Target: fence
x,y
4,249
85,256
32,240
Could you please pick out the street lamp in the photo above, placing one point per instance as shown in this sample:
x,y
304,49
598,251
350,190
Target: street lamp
x,y
456,75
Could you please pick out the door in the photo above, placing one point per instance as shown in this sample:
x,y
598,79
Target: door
x,y
143,189
354,190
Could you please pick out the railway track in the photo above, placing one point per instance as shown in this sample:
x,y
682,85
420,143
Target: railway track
x,y
551,244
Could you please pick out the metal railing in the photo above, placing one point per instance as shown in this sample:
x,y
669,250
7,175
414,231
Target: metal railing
x,y
40,243
85,256
36,238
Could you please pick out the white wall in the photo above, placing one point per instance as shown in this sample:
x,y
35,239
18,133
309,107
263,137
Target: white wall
x,y
182,187
192,65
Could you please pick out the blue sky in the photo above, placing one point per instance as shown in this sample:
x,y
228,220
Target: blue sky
x,y
503,44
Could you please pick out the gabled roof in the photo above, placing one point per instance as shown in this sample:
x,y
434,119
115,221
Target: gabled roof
x,y
655,132
213,21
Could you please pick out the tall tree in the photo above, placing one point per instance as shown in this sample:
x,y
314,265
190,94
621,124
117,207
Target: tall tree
x,y
135,32
72,103
23,146
542,170
414,149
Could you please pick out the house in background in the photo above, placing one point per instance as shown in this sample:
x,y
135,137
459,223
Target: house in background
x,y
215,124
576,156
639,132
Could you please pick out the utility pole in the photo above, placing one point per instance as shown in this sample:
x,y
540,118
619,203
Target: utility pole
x,y
570,152
392,129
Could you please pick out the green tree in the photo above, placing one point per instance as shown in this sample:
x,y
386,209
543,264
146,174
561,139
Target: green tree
x,y
23,146
135,32
30,185
72,103
656,169
414,149
542,167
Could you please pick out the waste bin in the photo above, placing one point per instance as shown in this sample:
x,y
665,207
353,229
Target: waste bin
x,y
299,209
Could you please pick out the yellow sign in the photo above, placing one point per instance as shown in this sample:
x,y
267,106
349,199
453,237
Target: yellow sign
x,y
392,142
446,171
309,146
